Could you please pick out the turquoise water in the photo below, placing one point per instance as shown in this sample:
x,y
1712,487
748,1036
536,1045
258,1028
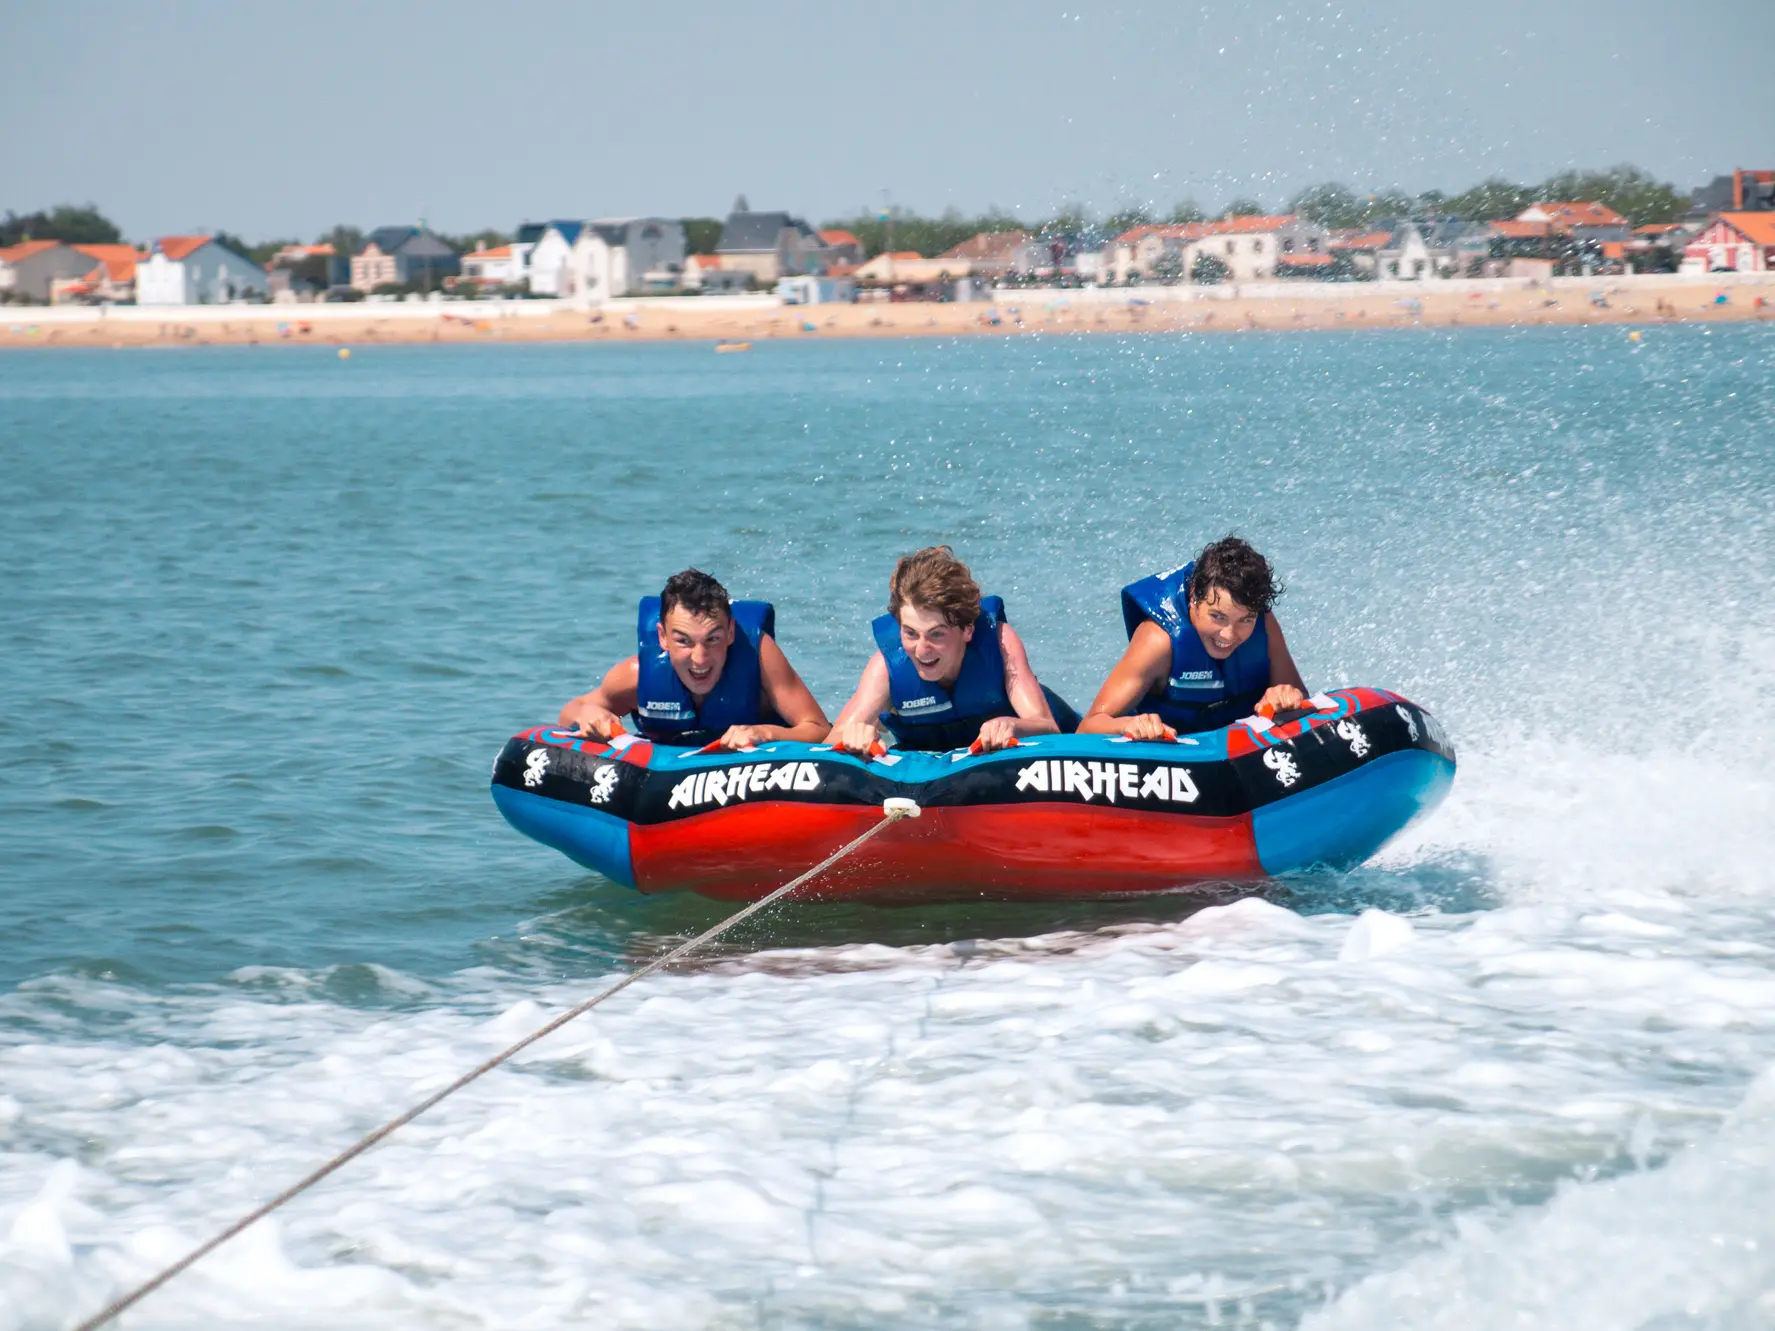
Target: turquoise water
x,y
268,615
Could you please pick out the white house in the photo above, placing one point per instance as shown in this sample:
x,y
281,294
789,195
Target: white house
x,y
496,267
623,256
548,259
194,270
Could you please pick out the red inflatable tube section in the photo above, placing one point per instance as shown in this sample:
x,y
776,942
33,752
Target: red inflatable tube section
x,y
1026,851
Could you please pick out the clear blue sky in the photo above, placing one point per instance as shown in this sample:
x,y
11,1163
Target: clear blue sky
x,y
282,120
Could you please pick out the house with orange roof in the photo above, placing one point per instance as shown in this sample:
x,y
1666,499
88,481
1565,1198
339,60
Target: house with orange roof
x,y
1554,238
491,267
196,270
1246,248
30,269
306,272
840,248
110,281
712,276
1733,243
1584,221
908,275
993,255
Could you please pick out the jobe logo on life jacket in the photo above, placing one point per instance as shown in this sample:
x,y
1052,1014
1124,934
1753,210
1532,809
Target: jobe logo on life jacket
x,y
737,783
1088,780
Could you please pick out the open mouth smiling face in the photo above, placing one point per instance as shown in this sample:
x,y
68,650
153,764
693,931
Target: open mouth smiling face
x,y
697,646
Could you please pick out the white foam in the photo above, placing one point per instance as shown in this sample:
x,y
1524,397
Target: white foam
x,y
1246,1106
1690,1245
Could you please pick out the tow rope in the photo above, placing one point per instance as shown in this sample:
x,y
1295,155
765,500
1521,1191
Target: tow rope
x,y
893,810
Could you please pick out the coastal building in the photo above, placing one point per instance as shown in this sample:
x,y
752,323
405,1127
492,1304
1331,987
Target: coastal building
x,y
816,289
1419,249
624,256
196,270
306,272
30,270
549,255
1359,249
1733,243
840,249
908,275
1585,222
996,255
407,256
110,281
1250,248
705,273
1574,238
523,246
768,245
1741,192
495,267
1659,247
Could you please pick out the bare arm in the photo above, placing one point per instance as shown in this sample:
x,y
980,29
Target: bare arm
x,y
788,697
1287,688
600,712
858,726
1025,692
1142,666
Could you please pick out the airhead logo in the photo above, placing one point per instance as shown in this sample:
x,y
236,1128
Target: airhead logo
x,y
1091,780
723,784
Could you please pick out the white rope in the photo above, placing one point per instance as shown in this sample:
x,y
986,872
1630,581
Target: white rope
x,y
894,809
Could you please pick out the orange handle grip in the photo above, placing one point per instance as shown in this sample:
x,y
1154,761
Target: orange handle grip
x,y
976,747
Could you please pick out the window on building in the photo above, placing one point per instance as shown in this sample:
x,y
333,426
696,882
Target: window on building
x,y
1229,247
1287,245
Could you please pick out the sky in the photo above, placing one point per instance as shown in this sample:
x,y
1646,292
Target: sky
x,y
281,121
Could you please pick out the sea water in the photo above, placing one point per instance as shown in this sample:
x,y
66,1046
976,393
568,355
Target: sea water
x,y
266,616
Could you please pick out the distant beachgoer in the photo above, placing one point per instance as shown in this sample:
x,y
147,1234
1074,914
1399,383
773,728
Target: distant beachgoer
x,y
950,670
706,670
1204,649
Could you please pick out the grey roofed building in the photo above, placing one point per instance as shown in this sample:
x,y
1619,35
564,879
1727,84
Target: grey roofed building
x,y
767,244
31,268
747,232
1742,191
403,254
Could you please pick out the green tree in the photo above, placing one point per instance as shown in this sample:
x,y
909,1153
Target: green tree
x,y
1126,219
1186,210
70,223
1069,221
1631,192
345,240
1168,267
701,234
1488,201
1208,271
486,236
928,236
1242,207
1330,204
259,254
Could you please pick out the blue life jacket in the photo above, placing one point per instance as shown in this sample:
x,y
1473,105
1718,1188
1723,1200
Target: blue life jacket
x,y
1200,693
929,717
669,713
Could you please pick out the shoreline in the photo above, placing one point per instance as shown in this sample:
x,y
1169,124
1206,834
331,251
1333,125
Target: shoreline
x,y
1448,304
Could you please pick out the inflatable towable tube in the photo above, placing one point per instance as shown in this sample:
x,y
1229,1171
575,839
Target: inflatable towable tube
x,y
1058,815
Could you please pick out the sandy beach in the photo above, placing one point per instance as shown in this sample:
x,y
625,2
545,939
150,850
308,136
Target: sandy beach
x,y
1356,306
